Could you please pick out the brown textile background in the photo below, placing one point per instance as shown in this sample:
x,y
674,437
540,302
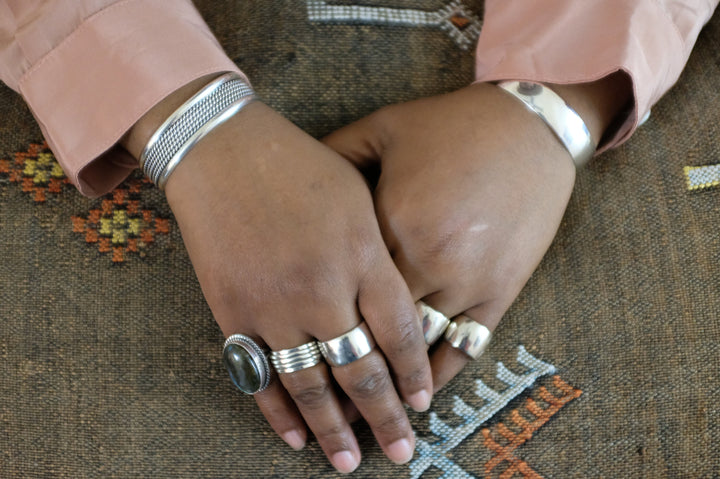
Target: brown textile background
x,y
112,369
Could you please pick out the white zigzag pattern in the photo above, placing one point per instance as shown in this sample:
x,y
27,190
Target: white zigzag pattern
x,y
434,453
323,12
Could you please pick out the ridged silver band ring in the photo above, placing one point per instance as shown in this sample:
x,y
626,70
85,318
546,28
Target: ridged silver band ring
x,y
296,359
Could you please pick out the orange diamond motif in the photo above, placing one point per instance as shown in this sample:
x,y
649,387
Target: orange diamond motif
x,y
120,226
36,171
460,21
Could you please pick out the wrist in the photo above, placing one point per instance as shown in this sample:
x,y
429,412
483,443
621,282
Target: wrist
x,y
187,125
135,140
598,103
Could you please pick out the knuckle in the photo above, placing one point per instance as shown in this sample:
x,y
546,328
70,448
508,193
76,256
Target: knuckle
x,y
333,433
334,438
363,244
305,281
391,424
444,243
415,379
405,338
371,387
433,243
312,397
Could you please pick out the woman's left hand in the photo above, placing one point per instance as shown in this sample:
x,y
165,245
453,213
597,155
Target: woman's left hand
x,y
471,193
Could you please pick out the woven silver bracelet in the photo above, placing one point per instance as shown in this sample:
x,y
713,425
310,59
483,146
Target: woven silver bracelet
x,y
562,120
209,108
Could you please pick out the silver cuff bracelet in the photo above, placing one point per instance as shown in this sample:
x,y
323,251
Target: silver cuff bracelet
x,y
562,120
209,108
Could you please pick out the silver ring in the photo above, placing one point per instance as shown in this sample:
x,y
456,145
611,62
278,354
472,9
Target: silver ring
x,y
434,322
468,336
294,359
246,363
349,347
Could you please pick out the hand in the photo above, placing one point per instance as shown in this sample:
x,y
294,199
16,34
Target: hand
x,y
284,241
470,195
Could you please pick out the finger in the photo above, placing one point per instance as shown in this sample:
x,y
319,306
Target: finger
x,y
312,391
282,415
447,361
388,309
349,408
368,384
359,142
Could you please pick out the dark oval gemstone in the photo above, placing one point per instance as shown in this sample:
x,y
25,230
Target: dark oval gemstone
x,y
244,373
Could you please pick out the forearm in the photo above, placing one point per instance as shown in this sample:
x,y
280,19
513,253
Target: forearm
x,y
100,71
138,136
598,103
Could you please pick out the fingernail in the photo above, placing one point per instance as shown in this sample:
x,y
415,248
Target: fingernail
x,y
400,451
294,439
420,401
345,462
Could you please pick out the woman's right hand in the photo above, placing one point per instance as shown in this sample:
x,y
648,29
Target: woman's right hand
x,y
283,237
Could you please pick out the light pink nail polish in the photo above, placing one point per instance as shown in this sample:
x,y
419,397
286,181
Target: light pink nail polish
x,y
345,462
294,439
420,401
400,451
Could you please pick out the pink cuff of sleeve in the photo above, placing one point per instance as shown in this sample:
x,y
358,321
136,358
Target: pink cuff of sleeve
x,y
89,90
566,42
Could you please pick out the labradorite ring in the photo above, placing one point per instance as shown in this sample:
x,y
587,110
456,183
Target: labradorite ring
x,y
246,363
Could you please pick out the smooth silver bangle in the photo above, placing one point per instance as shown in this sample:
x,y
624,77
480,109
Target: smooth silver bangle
x,y
562,120
209,108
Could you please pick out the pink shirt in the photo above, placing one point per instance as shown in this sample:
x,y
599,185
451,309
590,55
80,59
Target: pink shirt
x,y
89,69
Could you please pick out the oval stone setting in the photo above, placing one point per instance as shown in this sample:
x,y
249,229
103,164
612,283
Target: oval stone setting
x,y
244,372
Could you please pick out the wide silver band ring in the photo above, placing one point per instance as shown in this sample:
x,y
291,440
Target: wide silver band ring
x,y
433,323
295,359
468,336
247,364
351,346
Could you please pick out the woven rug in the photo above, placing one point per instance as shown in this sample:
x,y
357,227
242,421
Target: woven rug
x,y
607,365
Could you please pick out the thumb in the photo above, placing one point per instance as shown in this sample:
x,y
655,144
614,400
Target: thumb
x,y
360,142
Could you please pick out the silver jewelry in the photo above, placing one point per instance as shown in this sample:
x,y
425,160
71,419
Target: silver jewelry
x,y
214,104
468,336
349,347
434,322
294,359
246,363
562,120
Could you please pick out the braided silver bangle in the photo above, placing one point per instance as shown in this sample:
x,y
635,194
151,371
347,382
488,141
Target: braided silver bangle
x,y
562,120
210,107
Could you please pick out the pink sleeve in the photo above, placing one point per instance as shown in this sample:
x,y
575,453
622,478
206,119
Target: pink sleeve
x,y
571,41
89,69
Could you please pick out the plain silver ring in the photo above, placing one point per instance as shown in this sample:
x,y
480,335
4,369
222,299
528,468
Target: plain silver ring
x,y
467,335
433,322
349,347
